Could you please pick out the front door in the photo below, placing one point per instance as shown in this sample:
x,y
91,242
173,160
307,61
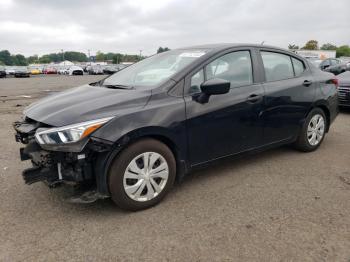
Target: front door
x,y
228,123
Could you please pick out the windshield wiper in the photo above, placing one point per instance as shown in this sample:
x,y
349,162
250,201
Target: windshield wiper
x,y
118,86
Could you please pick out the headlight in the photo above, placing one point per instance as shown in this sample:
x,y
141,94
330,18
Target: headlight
x,y
69,134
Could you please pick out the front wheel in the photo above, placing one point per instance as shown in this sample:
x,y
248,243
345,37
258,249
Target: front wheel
x,y
313,131
142,174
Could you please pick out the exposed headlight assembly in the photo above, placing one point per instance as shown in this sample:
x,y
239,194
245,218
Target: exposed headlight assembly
x,y
69,134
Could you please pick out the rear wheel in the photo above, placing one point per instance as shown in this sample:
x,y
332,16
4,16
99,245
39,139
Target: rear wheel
x,y
313,131
142,174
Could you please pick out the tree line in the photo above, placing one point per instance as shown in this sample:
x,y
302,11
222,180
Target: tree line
x,y
343,50
6,58
116,58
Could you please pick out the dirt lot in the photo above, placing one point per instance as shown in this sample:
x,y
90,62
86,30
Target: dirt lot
x,y
280,205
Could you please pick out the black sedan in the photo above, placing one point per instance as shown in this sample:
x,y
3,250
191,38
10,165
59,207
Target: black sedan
x,y
344,89
132,134
2,72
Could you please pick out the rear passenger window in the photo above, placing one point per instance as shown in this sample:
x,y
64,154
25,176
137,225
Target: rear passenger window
x,y
299,67
277,66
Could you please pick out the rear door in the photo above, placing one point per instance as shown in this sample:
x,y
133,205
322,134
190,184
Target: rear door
x,y
228,123
289,93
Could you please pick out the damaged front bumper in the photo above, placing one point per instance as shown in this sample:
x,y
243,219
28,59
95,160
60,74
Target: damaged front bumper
x,y
56,167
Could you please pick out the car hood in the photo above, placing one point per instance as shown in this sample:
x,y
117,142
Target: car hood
x,y
85,103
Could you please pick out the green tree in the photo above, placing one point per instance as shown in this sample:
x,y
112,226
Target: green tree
x,y
45,59
33,59
5,57
293,46
162,49
343,50
109,56
328,46
311,45
20,60
100,56
117,58
75,56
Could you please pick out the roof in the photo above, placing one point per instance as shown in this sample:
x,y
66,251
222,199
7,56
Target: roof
x,y
222,46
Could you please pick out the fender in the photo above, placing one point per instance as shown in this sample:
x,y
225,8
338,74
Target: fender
x,y
104,160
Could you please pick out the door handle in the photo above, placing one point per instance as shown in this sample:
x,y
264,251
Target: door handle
x,y
307,82
254,98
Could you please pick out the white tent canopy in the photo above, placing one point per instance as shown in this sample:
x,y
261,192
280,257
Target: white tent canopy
x,y
66,63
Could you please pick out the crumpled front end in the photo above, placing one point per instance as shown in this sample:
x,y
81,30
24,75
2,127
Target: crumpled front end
x,y
56,167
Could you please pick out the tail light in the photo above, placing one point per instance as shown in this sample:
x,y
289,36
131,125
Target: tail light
x,y
335,82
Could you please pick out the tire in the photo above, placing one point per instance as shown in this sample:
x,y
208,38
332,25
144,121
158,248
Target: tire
x,y
142,193
304,142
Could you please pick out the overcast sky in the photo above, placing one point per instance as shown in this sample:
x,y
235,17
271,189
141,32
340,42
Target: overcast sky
x,y
127,26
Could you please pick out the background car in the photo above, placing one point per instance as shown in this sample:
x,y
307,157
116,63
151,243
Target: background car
x,y
22,71
75,70
334,65
49,70
35,71
2,72
110,69
344,89
10,70
63,71
95,70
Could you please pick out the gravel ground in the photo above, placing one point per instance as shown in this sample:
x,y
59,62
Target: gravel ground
x,y
280,205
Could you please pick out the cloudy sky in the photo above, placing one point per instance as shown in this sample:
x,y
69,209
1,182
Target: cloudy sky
x,y
127,26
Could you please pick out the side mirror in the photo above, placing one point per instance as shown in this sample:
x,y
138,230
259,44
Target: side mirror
x,y
324,66
210,87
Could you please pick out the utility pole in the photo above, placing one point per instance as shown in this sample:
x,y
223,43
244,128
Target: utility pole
x,y
89,56
140,54
62,54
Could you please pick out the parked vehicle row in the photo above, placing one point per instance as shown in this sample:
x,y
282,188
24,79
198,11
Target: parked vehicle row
x,y
2,72
22,71
104,69
332,65
344,89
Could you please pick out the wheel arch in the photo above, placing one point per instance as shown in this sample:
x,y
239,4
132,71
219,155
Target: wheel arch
x,y
323,105
327,114
157,133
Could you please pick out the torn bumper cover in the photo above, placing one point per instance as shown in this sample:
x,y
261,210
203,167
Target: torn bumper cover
x,y
55,167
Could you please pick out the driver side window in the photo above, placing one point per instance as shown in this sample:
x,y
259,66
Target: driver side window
x,y
235,67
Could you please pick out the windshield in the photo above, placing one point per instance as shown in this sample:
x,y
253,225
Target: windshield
x,y
155,69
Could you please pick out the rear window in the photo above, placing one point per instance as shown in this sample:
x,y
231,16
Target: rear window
x,y
277,66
